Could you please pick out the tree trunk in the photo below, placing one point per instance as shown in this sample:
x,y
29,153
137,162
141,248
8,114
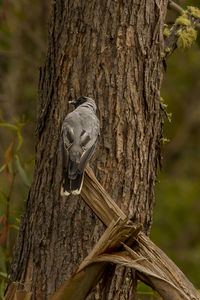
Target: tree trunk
x,y
109,51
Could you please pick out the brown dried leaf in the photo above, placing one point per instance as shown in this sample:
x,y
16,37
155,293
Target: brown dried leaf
x,y
3,234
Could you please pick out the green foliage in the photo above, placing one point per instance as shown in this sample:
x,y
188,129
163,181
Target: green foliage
x,y
179,219
162,54
23,33
17,128
166,31
22,172
167,49
2,287
183,20
176,222
186,37
16,173
194,11
164,140
163,102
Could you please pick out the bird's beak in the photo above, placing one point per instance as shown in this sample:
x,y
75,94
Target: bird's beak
x,y
72,102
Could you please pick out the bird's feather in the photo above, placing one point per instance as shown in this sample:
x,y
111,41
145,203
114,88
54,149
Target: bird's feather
x,y
80,133
86,157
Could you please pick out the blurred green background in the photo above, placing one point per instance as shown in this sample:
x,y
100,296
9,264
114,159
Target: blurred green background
x,y
176,226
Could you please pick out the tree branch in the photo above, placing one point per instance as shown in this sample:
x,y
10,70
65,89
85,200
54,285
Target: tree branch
x,y
182,33
152,265
175,7
90,271
180,10
122,243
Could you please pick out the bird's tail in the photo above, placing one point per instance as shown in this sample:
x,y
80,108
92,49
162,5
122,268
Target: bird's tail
x,y
72,186
73,169
72,177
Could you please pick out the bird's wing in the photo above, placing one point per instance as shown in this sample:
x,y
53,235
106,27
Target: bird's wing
x,y
81,126
65,157
68,132
86,156
80,133
66,142
88,140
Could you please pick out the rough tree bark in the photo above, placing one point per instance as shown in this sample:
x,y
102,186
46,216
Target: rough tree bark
x,y
110,51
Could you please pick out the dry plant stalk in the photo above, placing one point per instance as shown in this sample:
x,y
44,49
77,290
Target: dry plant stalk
x,y
124,244
152,265
90,271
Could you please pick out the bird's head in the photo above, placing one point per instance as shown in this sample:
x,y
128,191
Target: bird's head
x,y
84,100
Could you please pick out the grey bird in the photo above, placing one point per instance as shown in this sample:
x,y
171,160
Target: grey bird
x,y
80,133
